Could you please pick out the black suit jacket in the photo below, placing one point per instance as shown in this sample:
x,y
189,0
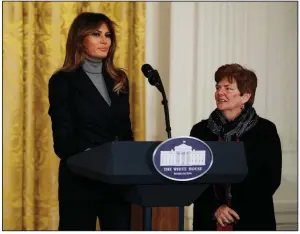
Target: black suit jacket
x,y
82,119
253,198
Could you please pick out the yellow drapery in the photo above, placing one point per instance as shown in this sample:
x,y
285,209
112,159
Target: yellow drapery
x,y
33,48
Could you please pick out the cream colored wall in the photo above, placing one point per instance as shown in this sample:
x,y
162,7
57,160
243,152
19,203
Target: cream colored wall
x,y
188,41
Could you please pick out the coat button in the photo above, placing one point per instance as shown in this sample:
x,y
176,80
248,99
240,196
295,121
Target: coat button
x,y
116,138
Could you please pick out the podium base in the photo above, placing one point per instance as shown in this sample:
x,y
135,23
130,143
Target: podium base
x,y
157,218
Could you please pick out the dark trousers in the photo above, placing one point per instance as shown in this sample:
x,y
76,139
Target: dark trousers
x,y
81,215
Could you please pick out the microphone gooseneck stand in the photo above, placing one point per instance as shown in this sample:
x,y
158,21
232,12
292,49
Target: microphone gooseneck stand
x,y
158,84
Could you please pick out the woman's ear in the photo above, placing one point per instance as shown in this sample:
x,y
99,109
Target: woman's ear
x,y
246,97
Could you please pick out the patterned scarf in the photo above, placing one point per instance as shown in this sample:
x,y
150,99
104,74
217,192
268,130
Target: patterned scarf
x,y
232,130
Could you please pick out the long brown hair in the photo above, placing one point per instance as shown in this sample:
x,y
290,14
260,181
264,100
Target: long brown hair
x,y
84,24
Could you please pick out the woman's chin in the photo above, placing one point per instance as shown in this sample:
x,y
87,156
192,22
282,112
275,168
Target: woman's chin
x,y
221,107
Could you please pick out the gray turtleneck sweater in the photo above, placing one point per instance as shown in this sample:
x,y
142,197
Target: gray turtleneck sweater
x,y
93,68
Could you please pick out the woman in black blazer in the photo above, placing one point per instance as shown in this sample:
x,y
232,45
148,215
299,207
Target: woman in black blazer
x,y
89,105
247,205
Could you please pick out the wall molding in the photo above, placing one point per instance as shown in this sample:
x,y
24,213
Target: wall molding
x,y
286,215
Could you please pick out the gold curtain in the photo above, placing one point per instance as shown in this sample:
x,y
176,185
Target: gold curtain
x,y
33,48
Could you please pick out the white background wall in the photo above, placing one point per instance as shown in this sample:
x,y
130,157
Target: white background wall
x,y
187,42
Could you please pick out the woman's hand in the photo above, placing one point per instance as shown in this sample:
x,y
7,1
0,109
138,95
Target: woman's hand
x,y
225,215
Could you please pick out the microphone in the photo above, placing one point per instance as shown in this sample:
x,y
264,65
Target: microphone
x,y
154,80
152,75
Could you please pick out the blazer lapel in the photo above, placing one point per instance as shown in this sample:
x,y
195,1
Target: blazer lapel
x,y
88,89
110,83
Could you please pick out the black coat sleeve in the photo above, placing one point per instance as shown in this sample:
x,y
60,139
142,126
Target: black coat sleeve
x,y
66,141
265,162
129,134
273,163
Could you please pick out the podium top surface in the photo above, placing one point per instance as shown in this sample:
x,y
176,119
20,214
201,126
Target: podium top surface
x,y
131,162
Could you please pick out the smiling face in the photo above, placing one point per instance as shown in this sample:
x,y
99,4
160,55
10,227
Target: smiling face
x,y
229,99
97,44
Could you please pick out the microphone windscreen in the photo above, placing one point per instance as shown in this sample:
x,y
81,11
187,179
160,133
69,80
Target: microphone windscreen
x,y
146,68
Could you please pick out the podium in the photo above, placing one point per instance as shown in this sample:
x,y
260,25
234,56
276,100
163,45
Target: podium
x,y
128,165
